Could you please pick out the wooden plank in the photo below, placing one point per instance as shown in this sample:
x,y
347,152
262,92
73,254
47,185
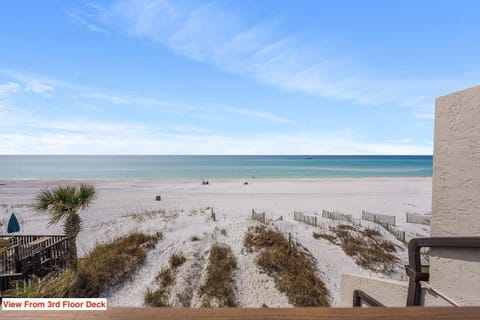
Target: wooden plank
x,y
37,242
412,313
9,275
418,218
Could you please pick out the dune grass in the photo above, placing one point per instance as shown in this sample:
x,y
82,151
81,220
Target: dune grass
x,y
105,266
217,291
291,267
156,298
177,259
366,246
142,216
164,279
326,236
159,297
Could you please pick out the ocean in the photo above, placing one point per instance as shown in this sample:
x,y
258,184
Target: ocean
x,y
210,167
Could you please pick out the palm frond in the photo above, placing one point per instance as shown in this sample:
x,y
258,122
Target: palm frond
x,y
86,194
63,201
43,200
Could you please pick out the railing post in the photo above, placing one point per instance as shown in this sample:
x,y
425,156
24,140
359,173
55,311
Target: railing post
x,y
16,259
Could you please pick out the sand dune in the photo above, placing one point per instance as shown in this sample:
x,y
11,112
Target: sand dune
x,y
123,206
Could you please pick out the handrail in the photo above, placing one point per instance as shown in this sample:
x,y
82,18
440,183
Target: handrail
x,y
414,269
359,296
27,257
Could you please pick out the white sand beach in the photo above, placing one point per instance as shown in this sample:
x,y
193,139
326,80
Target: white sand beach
x,y
123,206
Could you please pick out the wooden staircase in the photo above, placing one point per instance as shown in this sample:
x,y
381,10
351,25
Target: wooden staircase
x,y
27,255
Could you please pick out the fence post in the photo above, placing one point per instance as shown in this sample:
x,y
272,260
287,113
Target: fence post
x,y
17,259
315,221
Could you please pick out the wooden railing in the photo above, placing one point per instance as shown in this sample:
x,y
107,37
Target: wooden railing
x,y
415,313
31,254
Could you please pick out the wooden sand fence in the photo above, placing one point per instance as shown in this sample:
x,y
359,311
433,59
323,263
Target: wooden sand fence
x,y
259,216
336,215
386,221
310,220
378,218
418,218
397,233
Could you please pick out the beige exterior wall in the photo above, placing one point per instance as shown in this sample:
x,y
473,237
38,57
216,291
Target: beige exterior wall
x,y
456,194
388,292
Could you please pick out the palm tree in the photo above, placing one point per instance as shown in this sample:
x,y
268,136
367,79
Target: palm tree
x,y
63,203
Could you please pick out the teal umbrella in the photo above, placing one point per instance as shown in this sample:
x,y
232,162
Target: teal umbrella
x,y
13,225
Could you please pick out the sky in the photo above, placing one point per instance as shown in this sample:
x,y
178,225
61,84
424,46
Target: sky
x,y
230,77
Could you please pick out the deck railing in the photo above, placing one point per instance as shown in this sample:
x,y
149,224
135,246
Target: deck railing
x,y
31,254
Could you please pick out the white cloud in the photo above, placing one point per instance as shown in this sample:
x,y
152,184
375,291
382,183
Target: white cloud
x,y
38,87
23,133
170,143
254,114
8,88
203,111
214,34
90,25
95,94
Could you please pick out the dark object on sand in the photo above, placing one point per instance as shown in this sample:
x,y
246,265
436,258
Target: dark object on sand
x,y
245,183
13,225
158,198
204,182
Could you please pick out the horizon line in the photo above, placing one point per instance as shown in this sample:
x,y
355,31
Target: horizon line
x,y
233,155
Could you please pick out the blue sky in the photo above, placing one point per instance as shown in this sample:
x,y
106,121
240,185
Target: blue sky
x,y
230,77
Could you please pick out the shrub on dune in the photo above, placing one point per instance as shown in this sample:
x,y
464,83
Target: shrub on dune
x,y
291,267
217,290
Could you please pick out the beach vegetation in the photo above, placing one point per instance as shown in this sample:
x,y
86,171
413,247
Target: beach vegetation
x,y
164,279
104,267
177,259
366,246
155,298
142,216
289,264
63,203
326,236
217,290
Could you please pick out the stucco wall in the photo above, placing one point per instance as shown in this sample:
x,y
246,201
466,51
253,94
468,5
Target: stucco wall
x,y
456,194
388,292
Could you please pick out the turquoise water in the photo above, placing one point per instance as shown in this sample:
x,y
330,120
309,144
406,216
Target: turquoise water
x,y
155,167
